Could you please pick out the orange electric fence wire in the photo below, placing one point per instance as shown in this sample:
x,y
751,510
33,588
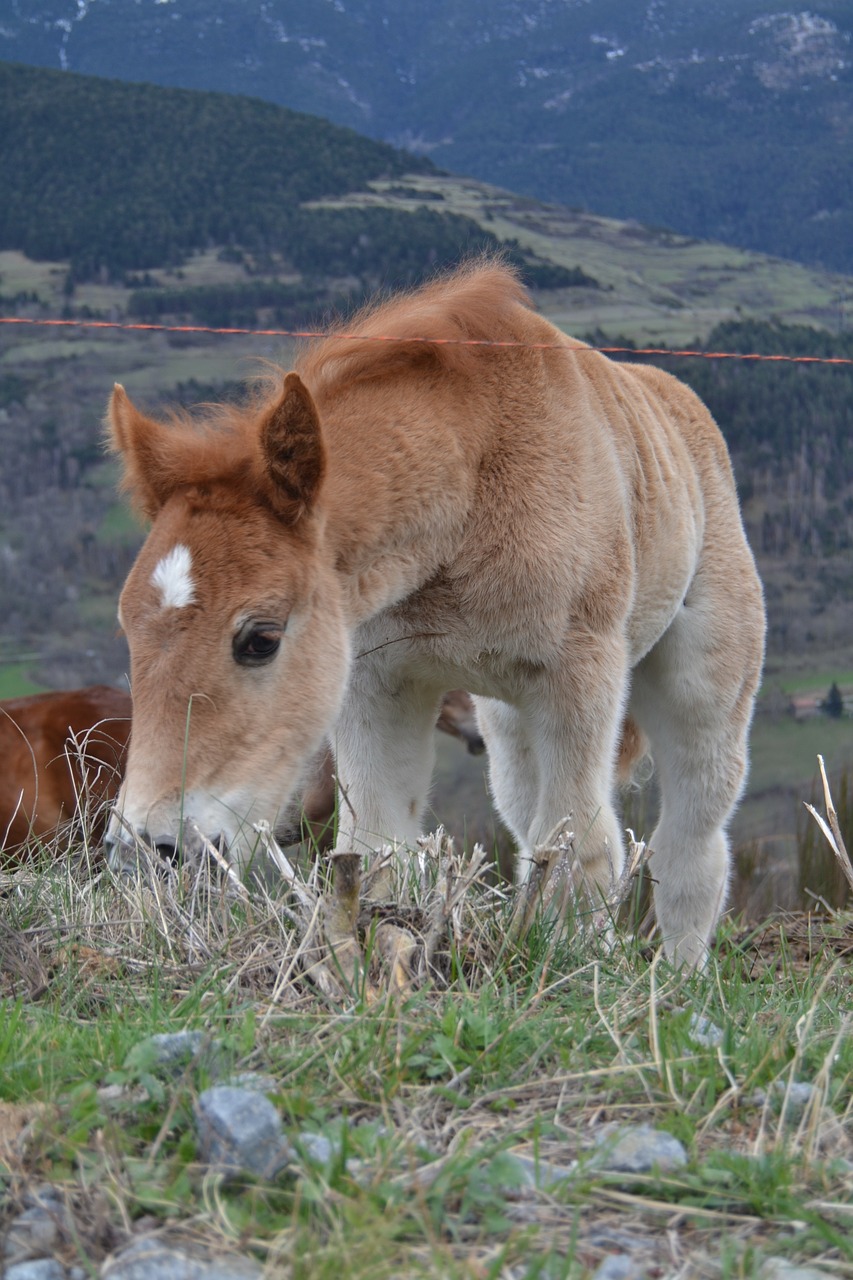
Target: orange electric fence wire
x,y
464,342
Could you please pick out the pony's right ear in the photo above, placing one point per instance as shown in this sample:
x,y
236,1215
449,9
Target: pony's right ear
x,y
144,448
293,450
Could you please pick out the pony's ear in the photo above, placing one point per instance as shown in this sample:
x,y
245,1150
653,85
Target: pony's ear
x,y
293,450
143,445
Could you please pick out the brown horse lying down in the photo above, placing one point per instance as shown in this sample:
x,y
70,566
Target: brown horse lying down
x,y
451,493
59,753
61,750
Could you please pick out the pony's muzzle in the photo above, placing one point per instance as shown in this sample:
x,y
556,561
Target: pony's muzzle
x,y
126,853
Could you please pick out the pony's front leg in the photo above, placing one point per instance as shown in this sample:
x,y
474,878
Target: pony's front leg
x,y
385,753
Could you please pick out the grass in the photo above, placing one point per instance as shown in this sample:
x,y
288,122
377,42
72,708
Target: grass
x,y
429,1095
15,681
816,681
119,526
784,752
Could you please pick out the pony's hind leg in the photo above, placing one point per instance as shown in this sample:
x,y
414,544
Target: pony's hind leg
x,y
693,695
552,758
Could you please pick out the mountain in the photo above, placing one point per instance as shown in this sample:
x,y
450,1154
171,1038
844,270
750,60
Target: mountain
x,y
724,119
149,175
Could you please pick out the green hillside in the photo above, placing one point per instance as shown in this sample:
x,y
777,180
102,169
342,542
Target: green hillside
x,y
119,178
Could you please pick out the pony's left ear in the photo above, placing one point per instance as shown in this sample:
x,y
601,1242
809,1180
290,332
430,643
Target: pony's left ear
x,y
293,450
144,448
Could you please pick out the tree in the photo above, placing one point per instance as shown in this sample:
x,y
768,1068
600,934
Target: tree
x,y
833,703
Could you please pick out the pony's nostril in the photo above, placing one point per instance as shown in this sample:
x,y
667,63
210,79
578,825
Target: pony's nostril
x,y
121,856
165,846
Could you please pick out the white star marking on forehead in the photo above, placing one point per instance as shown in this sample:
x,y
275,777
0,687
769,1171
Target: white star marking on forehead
x,y
173,578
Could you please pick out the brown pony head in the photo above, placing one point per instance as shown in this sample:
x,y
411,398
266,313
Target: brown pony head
x,y
223,616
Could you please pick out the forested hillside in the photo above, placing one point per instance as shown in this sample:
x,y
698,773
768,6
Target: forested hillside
x,y
145,176
728,120
115,176
789,427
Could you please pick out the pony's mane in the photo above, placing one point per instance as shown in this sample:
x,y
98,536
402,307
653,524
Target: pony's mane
x,y
478,302
482,301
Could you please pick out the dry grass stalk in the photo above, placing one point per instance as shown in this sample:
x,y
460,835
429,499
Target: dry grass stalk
x,y
555,887
354,942
830,826
323,925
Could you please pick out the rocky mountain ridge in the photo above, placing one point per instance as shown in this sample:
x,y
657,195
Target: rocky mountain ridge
x,y
730,121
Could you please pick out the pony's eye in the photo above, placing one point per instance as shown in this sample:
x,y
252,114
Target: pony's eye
x,y
257,643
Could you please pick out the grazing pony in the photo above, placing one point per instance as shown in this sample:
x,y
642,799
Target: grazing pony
x,y
457,496
60,754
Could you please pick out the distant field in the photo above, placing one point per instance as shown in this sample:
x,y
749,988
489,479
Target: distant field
x,y
785,751
15,682
656,286
815,681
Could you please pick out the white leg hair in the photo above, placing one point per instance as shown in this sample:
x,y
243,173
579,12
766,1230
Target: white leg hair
x,y
384,746
693,697
555,756
513,770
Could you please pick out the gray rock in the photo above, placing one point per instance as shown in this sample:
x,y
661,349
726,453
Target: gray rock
x,y
34,1233
173,1051
36,1269
240,1132
539,1173
638,1149
318,1147
704,1032
45,1195
782,1269
793,1095
151,1260
253,1080
619,1266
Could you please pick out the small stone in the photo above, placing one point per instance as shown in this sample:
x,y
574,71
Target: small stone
x,y
36,1269
638,1149
34,1233
147,1259
318,1147
43,1196
253,1080
704,1032
619,1266
782,1269
171,1052
240,1132
539,1173
793,1095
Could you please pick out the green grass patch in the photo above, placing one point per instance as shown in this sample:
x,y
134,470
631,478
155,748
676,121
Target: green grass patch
x,y
783,751
814,681
120,526
15,681
463,1116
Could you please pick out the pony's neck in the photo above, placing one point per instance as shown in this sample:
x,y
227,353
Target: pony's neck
x,y
395,512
